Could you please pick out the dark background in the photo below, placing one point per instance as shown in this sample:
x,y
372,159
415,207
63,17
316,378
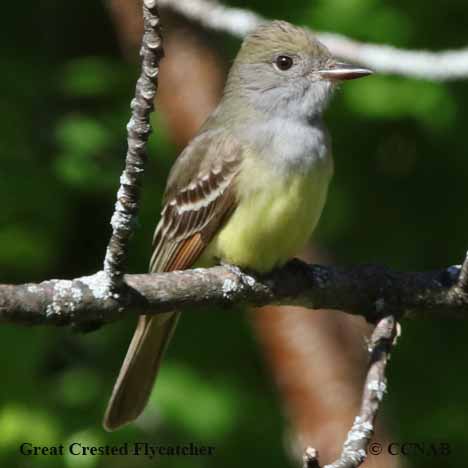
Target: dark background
x,y
398,198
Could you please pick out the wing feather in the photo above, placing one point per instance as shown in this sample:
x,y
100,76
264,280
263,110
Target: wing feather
x,y
193,212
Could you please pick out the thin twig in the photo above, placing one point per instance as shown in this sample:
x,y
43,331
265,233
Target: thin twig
x,y
139,129
444,65
370,291
356,445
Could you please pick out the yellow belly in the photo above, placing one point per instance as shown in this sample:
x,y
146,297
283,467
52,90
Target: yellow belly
x,y
274,219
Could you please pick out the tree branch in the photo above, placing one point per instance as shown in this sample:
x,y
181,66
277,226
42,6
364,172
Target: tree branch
x,y
444,65
355,447
370,291
139,129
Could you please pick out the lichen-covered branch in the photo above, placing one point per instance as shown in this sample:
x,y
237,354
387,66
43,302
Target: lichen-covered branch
x,y
444,65
370,291
139,129
355,447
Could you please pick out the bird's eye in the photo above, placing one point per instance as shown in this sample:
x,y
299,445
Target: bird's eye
x,y
284,62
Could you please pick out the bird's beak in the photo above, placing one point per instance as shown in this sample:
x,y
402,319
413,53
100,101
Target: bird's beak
x,y
344,71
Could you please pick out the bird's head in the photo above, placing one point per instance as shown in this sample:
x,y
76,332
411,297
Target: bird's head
x,y
284,70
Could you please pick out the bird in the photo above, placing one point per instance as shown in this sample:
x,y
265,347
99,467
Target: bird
x,y
249,188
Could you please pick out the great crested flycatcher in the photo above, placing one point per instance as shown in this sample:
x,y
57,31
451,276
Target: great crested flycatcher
x,y
248,189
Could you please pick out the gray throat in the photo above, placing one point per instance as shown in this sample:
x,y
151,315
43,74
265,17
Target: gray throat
x,y
289,145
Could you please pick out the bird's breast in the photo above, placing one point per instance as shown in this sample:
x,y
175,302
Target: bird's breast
x,y
275,215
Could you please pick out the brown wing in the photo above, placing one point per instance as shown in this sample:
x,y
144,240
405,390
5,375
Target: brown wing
x,y
193,212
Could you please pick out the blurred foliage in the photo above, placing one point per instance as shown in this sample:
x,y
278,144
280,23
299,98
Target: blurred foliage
x,y
398,198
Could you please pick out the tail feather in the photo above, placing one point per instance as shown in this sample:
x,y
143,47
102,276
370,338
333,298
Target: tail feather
x,y
139,369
